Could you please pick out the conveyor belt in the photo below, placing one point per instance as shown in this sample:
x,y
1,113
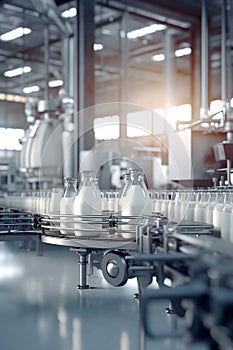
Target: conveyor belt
x,y
209,243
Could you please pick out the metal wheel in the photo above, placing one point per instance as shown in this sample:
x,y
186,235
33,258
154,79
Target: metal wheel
x,y
115,268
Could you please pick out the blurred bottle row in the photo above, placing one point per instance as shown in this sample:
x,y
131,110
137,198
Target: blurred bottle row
x,y
210,206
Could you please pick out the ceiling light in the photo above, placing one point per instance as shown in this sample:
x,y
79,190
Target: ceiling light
x,y
158,58
106,31
55,83
98,47
205,125
72,12
30,89
67,100
178,53
145,30
215,64
17,71
183,52
15,33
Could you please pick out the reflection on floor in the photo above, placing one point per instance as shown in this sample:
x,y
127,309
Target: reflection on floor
x,y
40,307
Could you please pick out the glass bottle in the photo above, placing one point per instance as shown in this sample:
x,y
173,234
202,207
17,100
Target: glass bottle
x,y
189,216
183,207
231,223
210,207
47,205
177,206
217,212
37,202
87,202
67,205
135,201
54,204
171,206
112,202
164,205
33,201
225,217
125,184
104,203
199,210
157,203
42,202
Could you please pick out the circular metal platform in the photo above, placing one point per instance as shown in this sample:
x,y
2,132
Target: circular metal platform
x,y
104,241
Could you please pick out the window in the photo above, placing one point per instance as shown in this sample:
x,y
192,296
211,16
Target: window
x,y
139,123
215,106
158,121
9,139
107,128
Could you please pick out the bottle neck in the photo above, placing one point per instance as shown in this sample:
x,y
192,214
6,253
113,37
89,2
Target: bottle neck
x,y
87,178
125,185
137,178
177,196
227,198
202,197
220,198
70,188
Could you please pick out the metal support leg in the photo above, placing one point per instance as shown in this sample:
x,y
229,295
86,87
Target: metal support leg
x,y
172,318
142,336
83,261
39,248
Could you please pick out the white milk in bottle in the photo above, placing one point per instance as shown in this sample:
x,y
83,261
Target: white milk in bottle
x,y
67,206
135,202
54,205
87,203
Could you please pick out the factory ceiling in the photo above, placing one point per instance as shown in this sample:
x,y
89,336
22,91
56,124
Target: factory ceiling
x,y
182,18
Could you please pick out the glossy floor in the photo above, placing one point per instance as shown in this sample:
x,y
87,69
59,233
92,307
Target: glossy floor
x,y
40,307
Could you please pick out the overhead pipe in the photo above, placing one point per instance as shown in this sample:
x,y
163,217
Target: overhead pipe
x,y
66,28
66,61
183,125
124,73
46,62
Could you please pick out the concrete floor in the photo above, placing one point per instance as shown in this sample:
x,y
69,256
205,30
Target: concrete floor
x,y
40,307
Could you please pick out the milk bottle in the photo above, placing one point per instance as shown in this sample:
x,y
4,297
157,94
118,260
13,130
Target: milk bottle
x,y
209,208
217,212
191,206
199,210
134,202
54,204
67,205
225,217
87,202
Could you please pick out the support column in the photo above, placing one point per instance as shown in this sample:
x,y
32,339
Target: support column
x,y
85,75
169,69
46,61
124,74
66,61
204,61
169,72
83,262
196,72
